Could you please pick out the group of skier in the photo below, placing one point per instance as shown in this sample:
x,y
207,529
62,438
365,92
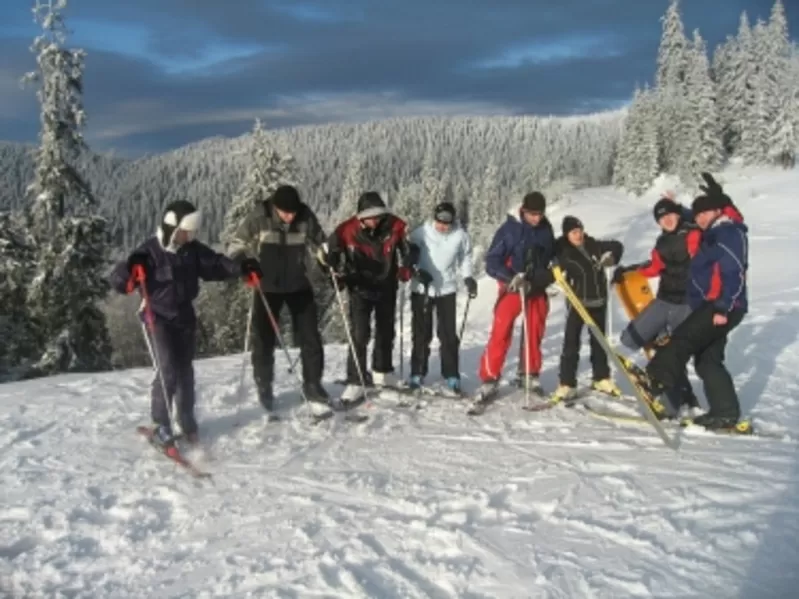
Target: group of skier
x,y
701,297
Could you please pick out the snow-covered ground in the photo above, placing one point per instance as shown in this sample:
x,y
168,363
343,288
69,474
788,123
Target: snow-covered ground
x,y
428,504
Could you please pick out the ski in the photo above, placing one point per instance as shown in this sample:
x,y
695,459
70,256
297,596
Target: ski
x,y
743,428
638,383
346,411
416,398
172,453
482,401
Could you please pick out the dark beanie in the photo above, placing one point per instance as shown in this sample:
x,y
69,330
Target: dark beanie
x,y
710,202
286,199
371,205
444,212
534,202
570,223
665,206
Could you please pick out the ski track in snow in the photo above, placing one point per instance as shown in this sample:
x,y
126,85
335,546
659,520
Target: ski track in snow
x,y
555,504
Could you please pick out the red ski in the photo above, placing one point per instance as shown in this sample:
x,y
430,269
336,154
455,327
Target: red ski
x,y
173,453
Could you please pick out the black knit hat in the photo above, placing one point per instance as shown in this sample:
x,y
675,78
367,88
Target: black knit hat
x,y
287,199
534,202
371,205
444,213
665,206
707,202
178,215
570,223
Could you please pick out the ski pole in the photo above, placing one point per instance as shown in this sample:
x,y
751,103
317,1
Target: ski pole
x,y
255,283
148,326
347,330
609,334
526,340
465,316
246,346
402,331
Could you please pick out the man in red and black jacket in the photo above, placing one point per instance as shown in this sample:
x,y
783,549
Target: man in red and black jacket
x,y
369,255
670,261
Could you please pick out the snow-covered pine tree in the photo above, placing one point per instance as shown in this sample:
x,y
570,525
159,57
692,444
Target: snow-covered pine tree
x,y
71,241
482,219
492,195
637,159
434,185
704,151
783,133
672,61
17,258
355,184
753,147
779,91
224,307
672,64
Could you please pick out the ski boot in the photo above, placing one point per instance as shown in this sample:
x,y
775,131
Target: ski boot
x,y
607,387
316,393
163,440
721,424
266,398
454,387
415,383
384,379
565,394
523,381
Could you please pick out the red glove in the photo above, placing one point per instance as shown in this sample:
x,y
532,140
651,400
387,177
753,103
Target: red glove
x,y
404,274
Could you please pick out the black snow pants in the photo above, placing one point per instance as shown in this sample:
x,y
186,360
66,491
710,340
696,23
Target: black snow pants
x,y
362,305
699,338
657,318
173,347
570,354
422,309
305,326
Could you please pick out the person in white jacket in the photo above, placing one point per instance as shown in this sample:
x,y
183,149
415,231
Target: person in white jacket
x,y
445,251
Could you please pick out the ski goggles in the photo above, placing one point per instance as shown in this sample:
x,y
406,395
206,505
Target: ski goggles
x,y
445,216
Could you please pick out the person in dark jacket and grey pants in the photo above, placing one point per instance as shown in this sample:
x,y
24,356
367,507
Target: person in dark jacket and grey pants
x,y
173,262
285,235
583,260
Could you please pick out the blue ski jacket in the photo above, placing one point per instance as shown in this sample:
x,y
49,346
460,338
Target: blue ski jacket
x,y
719,268
173,278
518,247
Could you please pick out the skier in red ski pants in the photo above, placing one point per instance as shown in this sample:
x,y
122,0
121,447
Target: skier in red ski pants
x,y
519,258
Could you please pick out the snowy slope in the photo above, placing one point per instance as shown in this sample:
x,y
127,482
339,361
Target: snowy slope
x,y
431,504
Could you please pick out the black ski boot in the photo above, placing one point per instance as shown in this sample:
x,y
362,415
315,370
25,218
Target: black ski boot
x,y
712,422
316,393
267,398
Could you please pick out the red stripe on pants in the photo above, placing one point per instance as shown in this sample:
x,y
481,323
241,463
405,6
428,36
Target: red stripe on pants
x,y
507,310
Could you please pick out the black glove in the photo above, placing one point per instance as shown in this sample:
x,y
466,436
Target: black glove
x,y
471,287
713,190
424,277
618,274
541,279
250,266
139,259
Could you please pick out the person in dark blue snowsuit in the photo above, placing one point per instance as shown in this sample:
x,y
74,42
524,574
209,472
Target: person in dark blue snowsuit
x,y
173,263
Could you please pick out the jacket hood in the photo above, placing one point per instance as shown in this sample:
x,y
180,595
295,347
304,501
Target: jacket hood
x,y
454,227
729,221
515,214
562,243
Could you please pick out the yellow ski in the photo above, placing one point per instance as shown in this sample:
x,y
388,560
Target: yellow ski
x,y
641,395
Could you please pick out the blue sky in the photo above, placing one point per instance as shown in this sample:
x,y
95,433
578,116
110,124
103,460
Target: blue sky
x,y
163,73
